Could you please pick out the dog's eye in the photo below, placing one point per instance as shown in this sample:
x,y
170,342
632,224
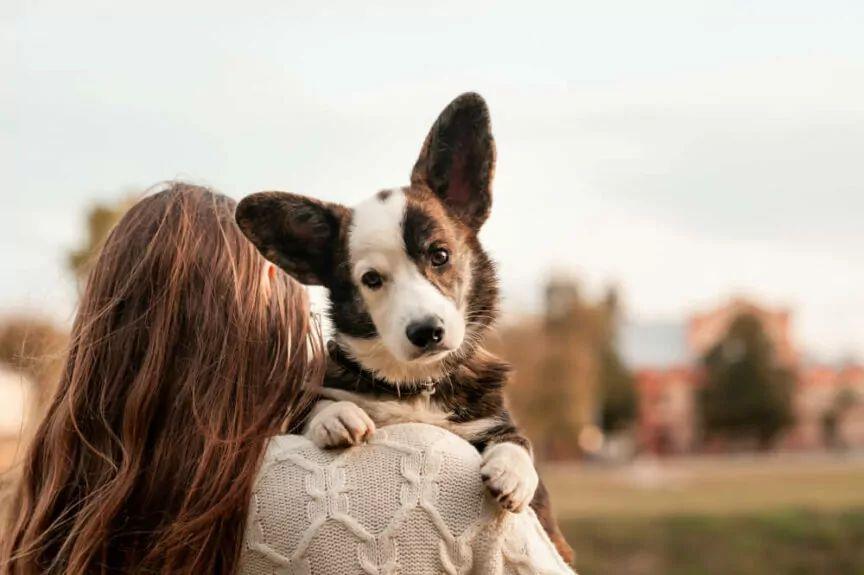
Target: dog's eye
x,y
372,279
439,257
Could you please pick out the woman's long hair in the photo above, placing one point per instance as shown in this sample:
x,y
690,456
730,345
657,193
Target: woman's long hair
x,y
184,359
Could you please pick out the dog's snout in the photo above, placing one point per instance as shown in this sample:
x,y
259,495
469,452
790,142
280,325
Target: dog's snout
x,y
426,333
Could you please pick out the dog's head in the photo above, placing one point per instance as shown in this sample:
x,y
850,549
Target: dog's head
x,y
411,289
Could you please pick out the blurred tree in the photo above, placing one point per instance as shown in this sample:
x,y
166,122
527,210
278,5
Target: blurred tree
x,y
618,399
101,218
832,418
569,365
618,396
568,375
746,396
34,347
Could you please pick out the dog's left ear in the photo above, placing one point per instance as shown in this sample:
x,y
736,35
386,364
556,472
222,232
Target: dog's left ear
x,y
299,234
457,161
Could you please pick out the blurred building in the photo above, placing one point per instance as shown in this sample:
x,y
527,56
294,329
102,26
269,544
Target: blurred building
x,y
829,405
665,358
704,330
667,412
663,361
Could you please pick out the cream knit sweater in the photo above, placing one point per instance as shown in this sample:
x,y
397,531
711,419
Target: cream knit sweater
x,y
409,502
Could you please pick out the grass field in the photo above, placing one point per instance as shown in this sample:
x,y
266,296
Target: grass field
x,y
731,516
775,543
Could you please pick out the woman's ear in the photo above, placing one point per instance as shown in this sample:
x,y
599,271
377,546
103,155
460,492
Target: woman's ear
x,y
457,161
297,233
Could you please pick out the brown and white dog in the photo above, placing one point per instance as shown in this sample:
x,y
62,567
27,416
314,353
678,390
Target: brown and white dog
x,y
411,297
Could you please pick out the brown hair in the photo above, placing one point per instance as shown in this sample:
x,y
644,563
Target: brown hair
x,y
182,362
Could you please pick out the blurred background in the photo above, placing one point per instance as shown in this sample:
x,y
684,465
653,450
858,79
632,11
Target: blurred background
x,y
678,222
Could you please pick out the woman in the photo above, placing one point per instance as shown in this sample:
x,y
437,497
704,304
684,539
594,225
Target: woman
x,y
188,354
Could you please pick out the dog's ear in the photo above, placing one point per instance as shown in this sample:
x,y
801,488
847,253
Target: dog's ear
x,y
457,160
296,233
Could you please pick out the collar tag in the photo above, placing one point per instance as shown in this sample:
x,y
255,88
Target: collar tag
x,y
429,386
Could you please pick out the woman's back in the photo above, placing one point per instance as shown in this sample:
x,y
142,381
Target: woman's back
x,y
410,501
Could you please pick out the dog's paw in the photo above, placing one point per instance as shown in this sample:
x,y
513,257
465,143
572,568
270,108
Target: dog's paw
x,y
509,474
339,424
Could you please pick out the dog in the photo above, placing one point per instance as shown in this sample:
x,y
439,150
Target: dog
x,y
412,295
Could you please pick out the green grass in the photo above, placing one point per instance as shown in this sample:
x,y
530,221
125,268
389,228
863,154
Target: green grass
x,y
711,486
775,543
713,516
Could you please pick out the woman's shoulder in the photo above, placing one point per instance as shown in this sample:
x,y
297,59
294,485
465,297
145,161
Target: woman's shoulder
x,y
405,438
411,499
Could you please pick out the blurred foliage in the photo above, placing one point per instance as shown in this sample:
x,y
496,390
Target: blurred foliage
x,y
746,395
618,392
775,543
843,402
34,347
101,219
568,374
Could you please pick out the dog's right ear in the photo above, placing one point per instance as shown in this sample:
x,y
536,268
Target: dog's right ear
x,y
296,233
457,161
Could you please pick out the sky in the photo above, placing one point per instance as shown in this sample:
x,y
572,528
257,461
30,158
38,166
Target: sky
x,y
683,151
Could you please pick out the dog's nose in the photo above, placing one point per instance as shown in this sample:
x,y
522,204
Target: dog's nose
x,y
426,333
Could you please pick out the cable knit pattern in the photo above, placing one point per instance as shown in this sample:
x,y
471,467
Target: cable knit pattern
x,y
409,502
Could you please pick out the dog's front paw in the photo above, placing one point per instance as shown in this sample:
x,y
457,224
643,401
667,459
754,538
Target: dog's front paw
x,y
339,424
509,474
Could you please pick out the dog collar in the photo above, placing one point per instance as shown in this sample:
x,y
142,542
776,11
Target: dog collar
x,y
351,376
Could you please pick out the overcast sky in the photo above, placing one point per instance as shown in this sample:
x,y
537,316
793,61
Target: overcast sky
x,y
687,151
